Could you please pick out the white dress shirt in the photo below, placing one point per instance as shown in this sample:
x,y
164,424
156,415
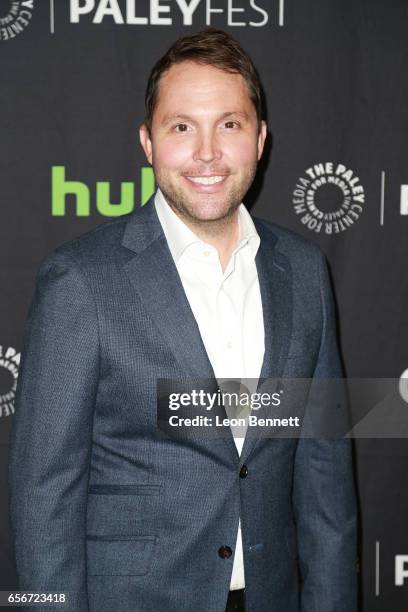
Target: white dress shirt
x,y
227,307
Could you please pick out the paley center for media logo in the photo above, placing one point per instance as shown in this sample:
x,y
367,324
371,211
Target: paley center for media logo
x,y
9,363
328,198
15,16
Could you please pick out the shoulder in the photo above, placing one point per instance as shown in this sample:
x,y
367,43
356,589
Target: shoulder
x,y
96,247
292,245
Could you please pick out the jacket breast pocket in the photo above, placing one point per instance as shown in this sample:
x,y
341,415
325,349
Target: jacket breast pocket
x,y
119,555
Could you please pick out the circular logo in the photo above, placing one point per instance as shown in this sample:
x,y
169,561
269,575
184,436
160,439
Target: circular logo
x,y
328,198
16,18
9,362
403,385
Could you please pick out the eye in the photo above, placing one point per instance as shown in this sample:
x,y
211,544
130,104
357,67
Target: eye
x,y
231,125
181,127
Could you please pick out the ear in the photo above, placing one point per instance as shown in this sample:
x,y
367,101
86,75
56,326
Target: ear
x,y
146,142
263,131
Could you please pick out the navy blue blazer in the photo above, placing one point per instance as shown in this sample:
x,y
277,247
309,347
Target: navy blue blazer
x,y
122,518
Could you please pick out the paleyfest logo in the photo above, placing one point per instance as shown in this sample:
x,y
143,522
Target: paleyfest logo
x,y
17,17
165,12
329,198
9,363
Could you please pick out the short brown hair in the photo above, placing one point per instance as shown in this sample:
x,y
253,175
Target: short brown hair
x,y
212,47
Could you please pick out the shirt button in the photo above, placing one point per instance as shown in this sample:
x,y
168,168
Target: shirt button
x,y
206,253
229,344
225,552
243,472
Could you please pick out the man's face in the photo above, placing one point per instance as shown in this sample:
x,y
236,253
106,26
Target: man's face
x,y
204,143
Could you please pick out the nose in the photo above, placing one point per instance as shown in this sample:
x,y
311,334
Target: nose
x,y
207,149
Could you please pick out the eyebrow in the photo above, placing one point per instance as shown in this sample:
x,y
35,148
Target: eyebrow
x,y
181,117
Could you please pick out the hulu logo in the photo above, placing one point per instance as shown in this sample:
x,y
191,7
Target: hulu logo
x,y
61,188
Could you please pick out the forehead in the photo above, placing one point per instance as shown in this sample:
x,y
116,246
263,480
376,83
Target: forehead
x,y
201,87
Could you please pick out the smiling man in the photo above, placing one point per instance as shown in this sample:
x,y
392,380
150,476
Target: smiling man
x,y
104,507
204,136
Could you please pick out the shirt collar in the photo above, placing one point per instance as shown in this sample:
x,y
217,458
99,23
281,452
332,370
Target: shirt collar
x,y
179,236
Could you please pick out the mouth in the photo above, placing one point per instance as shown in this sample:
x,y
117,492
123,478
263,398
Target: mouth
x,y
206,180
208,183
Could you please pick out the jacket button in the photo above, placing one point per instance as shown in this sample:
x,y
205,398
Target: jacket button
x,y
243,472
225,552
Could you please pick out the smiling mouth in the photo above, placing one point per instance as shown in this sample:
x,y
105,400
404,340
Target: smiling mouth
x,y
206,180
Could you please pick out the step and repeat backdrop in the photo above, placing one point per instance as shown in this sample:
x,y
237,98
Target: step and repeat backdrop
x,y
335,77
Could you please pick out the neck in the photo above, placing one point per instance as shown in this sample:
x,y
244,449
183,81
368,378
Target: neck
x,y
222,234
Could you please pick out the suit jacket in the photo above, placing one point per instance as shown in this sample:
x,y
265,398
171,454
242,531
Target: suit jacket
x,y
122,518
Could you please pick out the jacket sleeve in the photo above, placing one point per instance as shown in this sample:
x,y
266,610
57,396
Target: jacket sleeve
x,y
51,436
323,492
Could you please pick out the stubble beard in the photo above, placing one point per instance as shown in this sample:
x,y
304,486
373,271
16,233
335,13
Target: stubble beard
x,y
184,208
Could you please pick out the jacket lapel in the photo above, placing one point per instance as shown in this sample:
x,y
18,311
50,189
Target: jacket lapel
x,y
154,276
275,281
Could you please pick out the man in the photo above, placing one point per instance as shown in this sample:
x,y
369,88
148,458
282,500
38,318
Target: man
x,y
102,505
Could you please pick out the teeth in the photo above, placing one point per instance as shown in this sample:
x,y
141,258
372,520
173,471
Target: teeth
x,y
205,180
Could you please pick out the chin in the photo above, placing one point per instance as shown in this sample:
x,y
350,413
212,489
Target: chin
x,y
204,209
201,209
211,215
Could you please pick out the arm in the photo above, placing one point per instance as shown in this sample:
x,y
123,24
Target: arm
x,y
324,496
51,436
